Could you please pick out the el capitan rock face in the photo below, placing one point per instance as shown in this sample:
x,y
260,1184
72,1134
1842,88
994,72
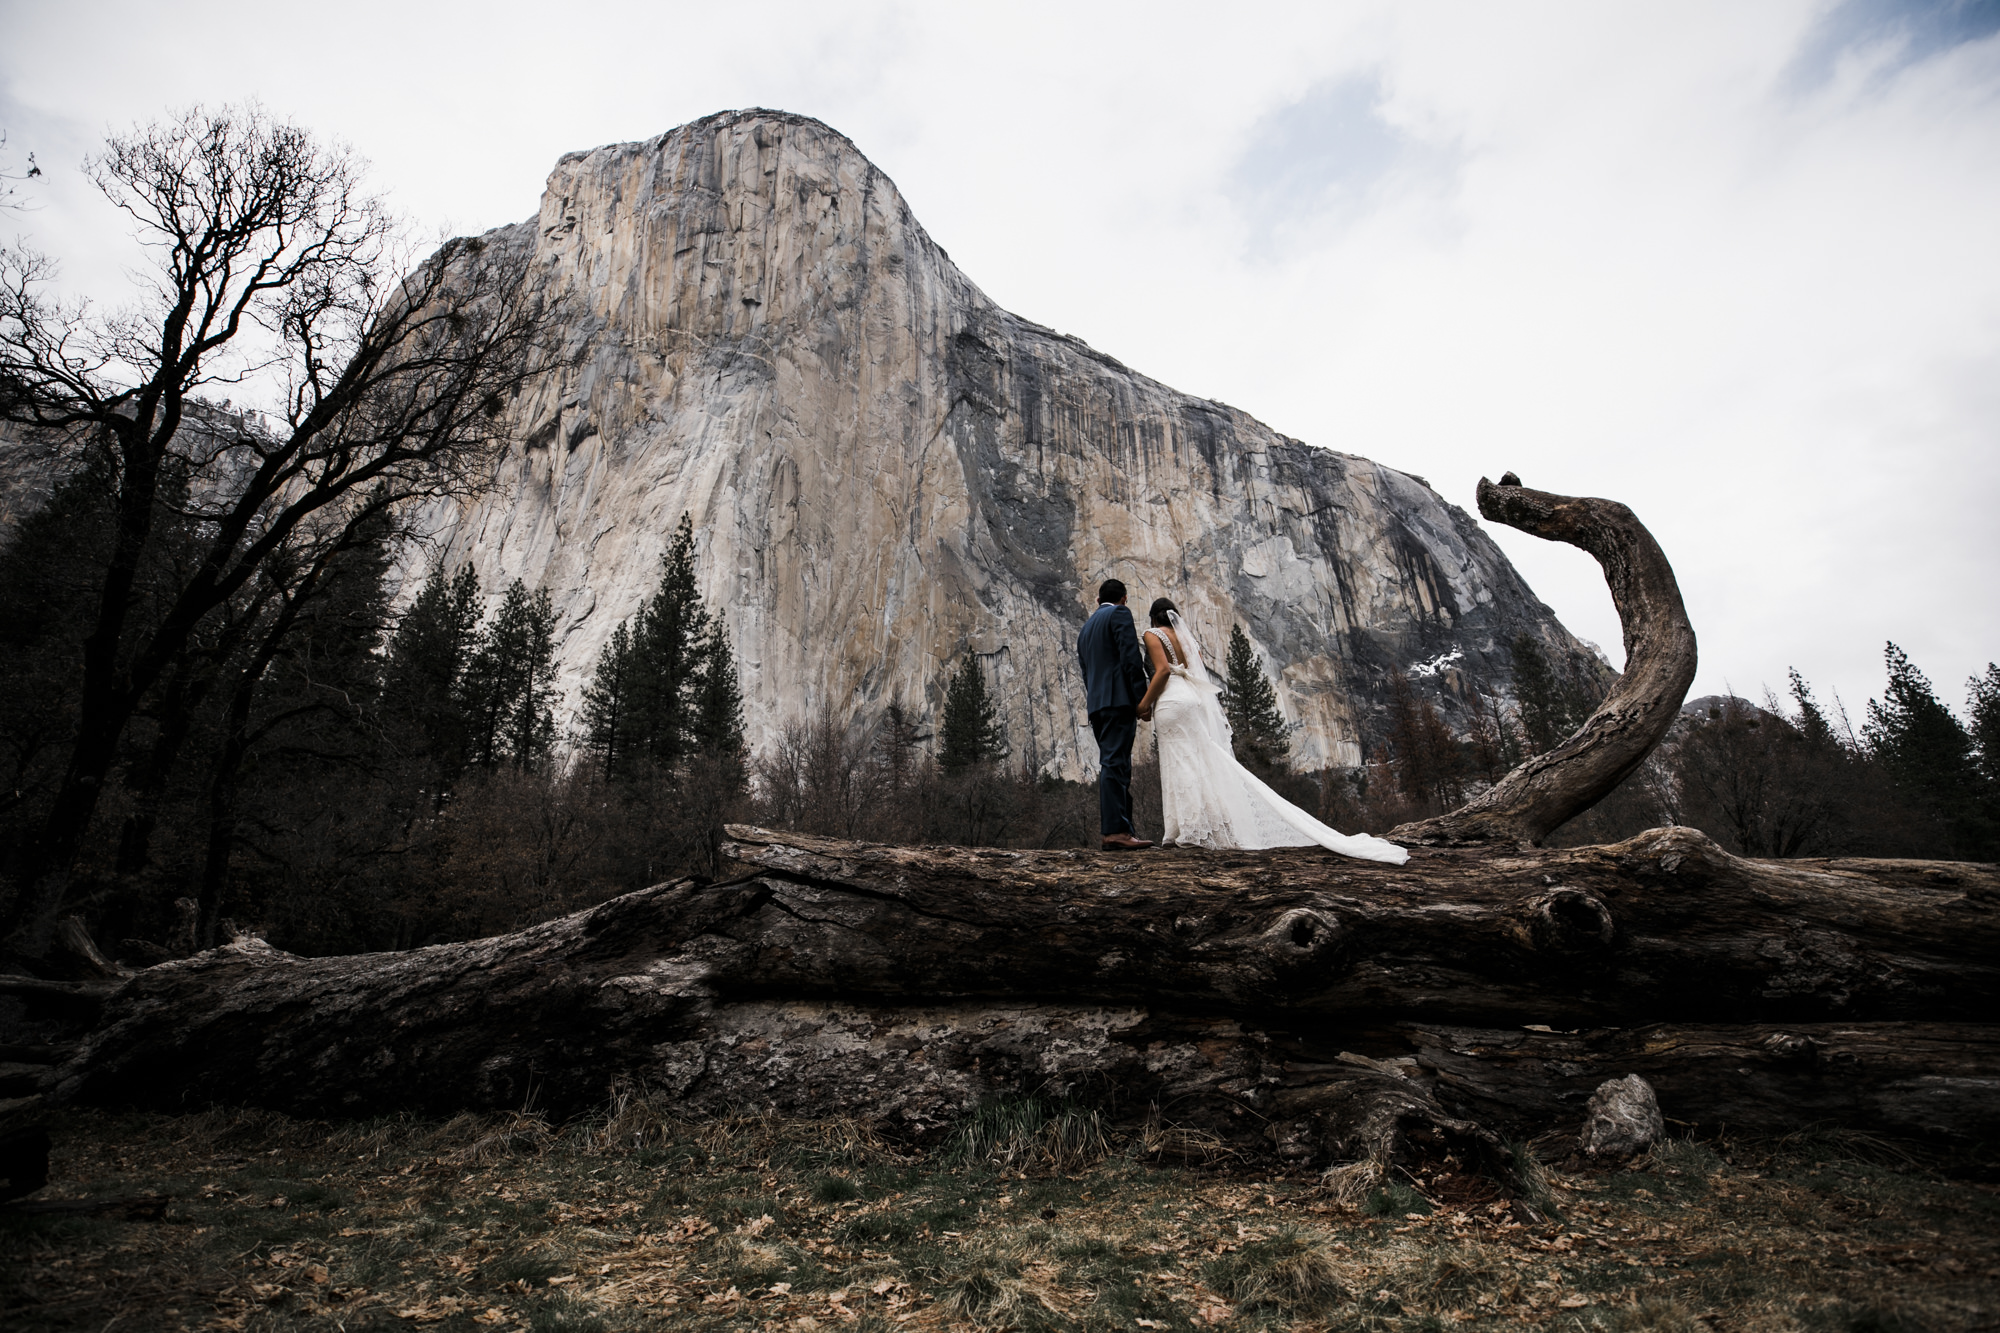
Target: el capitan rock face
x,y
887,471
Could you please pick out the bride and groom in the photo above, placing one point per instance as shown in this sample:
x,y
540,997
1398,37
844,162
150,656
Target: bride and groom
x,y
1207,799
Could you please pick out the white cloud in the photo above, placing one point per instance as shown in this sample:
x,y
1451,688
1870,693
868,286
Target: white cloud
x,y
1732,264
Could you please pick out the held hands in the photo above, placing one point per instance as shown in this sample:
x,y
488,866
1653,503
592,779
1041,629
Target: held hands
x,y
1145,712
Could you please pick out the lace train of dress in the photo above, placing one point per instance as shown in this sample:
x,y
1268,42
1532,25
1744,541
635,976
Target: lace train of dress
x,y
1210,800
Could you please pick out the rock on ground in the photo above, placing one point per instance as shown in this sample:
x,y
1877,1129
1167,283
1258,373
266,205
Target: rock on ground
x,y
1623,1118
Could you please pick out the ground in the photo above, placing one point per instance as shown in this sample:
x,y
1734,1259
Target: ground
x,y
249,1221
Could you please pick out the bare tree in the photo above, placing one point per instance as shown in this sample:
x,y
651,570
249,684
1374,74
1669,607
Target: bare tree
x,y
272,267
1754,779
822,777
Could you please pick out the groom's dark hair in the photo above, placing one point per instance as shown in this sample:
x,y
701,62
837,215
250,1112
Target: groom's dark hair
x,y
1111,590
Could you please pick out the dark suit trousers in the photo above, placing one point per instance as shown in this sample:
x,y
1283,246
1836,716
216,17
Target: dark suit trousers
x,y
1116,729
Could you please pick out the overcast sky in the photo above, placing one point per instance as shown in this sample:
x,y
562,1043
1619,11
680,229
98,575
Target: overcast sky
x,y
1734,264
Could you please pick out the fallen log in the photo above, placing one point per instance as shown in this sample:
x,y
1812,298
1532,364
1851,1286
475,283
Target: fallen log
x,y
1666,924
74,999
1165,980
1916,1080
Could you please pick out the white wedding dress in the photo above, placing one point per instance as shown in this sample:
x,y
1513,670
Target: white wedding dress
x,y
1210,800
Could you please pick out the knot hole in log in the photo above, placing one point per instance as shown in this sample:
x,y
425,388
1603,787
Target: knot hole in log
x,y
1569,921
1304,933
1790,1048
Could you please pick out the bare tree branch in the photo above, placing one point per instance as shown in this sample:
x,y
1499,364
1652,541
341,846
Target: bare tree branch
x,y
1551,788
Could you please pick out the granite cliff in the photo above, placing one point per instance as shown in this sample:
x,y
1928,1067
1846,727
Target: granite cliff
x,y
887,471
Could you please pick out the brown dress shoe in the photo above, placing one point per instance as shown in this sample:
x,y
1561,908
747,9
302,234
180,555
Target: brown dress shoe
x,y
1125,842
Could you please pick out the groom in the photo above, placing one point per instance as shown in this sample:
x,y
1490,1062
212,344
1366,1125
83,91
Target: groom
x,y
1114,681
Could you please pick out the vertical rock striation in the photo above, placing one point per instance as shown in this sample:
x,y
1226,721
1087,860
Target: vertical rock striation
x,y
888,471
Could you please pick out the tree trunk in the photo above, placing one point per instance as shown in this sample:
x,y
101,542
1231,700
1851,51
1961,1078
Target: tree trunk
x,y
105,703
221,812
1288,1003
1548,790
148,782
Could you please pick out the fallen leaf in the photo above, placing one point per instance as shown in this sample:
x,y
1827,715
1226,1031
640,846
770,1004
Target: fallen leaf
x,y
1151,1323
433,1313
493,1314
317,1273
1573,1302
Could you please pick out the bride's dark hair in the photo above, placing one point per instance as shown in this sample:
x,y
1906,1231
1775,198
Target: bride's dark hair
x,y
1158,612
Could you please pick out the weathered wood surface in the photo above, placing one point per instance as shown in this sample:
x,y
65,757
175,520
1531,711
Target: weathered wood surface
x,y
907,983
1929,1080
1666,924
1549,789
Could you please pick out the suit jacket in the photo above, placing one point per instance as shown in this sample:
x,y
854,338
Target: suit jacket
x,y
1114,667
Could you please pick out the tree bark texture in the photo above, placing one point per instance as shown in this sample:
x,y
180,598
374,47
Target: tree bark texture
x,y
1292,1001
1549,789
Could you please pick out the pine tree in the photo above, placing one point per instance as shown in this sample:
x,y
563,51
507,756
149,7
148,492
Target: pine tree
x,y
665,687
971,733
1426,757
718,718
1983,698
607,700
1928,752
896,746
669,642
1812,721
1488,739
1550,708
290,695
45,614
1259,731
510,682
324,674
1913,732
423,686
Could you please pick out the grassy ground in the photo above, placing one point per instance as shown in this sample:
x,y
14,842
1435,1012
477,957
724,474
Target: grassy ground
x,y
635,1222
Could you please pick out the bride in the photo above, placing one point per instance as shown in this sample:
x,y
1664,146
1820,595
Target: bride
x,y
1207,798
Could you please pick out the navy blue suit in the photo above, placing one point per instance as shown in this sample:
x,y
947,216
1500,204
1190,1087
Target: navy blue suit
x,y
1114,681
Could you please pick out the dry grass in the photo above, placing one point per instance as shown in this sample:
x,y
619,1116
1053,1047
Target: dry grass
x,y
634,1220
